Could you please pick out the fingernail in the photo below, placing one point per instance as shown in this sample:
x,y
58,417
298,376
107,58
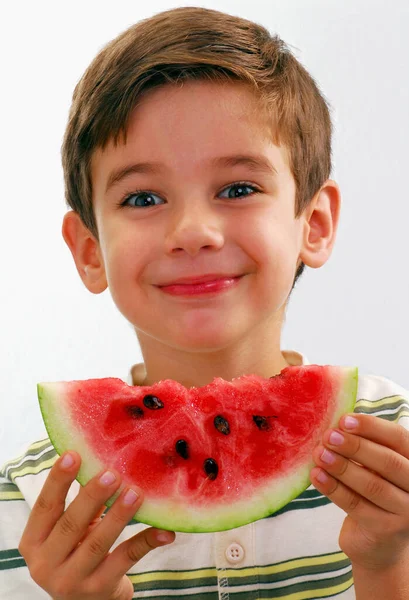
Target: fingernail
x,y
322,477
67,461
107,478
130,497
336,438
327,457
350,422
163,536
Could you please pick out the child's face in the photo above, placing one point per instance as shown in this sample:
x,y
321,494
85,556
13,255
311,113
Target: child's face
x,y
191,227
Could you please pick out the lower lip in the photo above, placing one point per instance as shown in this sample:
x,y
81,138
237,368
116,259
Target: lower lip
x,y
198,289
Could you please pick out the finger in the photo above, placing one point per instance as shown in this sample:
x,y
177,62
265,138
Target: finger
x,y
49,505
130,552
358,508
96,521
369,485
74,522
391,465
381,431
96,545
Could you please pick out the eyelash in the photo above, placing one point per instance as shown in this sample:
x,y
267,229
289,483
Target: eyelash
x,y
129,194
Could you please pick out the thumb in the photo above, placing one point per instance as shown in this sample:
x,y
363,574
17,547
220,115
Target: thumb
x,y
132,550
159,537
147,540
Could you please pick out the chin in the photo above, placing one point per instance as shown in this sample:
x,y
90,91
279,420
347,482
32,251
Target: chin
x,y
205,339
200,346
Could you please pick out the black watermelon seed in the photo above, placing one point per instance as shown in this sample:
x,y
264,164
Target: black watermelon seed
x,y
134,411
152,402
211,468
221,425
262,422
182,449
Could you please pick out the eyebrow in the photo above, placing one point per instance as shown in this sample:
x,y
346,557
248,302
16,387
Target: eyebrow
x,y
255,162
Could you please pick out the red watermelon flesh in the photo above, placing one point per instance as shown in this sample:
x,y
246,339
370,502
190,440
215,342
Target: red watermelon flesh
x,y
208,458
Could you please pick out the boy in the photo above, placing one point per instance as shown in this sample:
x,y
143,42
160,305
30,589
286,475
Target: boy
x,y
197,163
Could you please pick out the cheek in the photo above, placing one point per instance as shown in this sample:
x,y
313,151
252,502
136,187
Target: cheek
x,y
124,263
271,245
274,251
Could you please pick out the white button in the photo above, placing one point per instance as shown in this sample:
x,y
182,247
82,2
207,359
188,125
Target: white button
x,y
234,553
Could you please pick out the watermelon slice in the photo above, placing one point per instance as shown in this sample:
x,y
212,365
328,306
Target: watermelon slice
x,y
209,458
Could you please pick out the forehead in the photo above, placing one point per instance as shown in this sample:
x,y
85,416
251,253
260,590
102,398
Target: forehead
x,y
185,126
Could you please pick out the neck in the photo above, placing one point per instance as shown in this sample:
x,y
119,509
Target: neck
x,y
259,356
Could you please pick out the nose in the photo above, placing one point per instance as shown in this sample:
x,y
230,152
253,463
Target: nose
x,y
193,228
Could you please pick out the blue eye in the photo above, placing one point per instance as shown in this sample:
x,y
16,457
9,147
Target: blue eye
x,y
239,188
143,199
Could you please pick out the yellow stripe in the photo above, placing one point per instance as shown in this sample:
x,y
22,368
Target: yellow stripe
x,y
32,447
246,572
39,443
336,589
11,496
34,470
287,566
401,412
173,575
381,402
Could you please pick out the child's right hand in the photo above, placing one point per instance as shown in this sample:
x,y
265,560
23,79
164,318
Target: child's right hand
x,y
67,553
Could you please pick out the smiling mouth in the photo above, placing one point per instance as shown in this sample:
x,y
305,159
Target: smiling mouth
x,y
218,285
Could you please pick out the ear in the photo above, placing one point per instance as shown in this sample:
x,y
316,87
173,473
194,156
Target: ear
x,y
86,252
321,219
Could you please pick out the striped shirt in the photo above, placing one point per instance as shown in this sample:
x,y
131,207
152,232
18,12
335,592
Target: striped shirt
x,y
291,555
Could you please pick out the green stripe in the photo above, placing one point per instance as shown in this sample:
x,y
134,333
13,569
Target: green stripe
x,y
313,587
200,595
14,463
397,397
8,487
310,493
15,563
184,579
250,595
396,417
290,590
381,404
11,559
12,553
33,463
9,492
175,584
303,571
305,586
39,447
395,402
402,412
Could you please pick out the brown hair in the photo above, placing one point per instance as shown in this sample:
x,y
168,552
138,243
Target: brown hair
x,y
196,43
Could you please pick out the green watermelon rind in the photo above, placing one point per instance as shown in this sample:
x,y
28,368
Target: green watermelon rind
x,y
166,514
65,437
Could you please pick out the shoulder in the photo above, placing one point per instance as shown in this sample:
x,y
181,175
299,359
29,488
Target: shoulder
x,y
382,397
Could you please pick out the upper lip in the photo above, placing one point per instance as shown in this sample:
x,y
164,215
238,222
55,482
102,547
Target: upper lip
x,y
199,279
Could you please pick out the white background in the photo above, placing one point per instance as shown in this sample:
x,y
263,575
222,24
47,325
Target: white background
x,y
352,311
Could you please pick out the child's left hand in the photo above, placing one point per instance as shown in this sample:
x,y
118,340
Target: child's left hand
x,y
369,480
